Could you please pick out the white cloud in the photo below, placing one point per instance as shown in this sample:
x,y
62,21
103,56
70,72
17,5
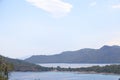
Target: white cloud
x,y
93,4
117,6
57,8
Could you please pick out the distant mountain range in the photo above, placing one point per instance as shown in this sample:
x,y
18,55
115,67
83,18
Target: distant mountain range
x,y
106,54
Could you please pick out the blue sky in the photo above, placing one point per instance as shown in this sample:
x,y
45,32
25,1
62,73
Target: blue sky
x,y
35,27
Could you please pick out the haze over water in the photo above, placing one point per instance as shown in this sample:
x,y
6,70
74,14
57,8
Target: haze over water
x,y
72,65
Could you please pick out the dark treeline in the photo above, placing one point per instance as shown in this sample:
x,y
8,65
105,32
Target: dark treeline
x,y
105,69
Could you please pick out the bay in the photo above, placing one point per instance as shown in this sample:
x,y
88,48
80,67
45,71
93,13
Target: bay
x,y
60,76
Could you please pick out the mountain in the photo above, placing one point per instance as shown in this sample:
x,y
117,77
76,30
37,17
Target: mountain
x,y
20,65
106,54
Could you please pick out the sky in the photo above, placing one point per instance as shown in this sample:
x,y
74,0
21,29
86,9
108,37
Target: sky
x,y
46,27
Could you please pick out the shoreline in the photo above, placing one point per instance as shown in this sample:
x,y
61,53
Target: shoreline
x,y
77,72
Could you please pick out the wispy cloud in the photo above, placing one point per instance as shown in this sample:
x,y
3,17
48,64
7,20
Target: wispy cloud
x,y
57,8
114,42
115,39
117,6
93,4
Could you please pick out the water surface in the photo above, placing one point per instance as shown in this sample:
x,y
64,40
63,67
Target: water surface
x,y
60,76
67,65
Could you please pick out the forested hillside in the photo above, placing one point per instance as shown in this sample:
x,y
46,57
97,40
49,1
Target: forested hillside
x,y
20,65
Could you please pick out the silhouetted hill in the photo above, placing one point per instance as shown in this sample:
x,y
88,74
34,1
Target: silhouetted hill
x,y
20,65
106,54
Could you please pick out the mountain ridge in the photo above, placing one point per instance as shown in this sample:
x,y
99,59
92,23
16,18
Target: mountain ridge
x,y
106,54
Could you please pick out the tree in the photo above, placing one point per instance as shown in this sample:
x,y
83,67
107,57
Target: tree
x,y
5,69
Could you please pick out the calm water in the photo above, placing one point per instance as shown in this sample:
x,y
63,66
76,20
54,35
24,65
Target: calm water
x,y
65,65
60,76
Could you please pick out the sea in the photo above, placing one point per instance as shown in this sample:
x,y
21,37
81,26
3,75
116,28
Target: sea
x,y
63,75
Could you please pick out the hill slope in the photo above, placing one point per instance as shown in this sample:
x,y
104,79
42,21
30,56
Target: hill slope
x,y
20,65
106,54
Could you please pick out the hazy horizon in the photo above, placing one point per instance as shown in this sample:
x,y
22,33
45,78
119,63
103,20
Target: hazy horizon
x,y
45,27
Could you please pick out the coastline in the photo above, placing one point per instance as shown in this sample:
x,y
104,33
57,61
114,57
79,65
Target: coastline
x,y
77,72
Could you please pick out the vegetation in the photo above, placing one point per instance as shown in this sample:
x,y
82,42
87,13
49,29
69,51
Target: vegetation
x,y
5,68
20,65
105,69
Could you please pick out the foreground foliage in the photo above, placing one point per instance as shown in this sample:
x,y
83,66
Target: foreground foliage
x,y
5,68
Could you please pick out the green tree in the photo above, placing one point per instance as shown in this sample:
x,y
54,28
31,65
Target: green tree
x,y
5,69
